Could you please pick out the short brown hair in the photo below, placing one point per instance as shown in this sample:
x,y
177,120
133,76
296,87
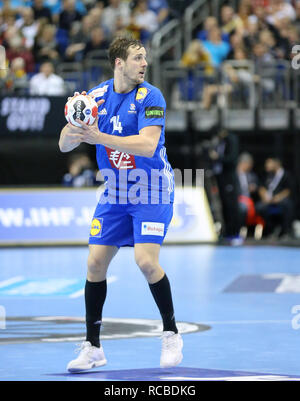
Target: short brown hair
x,y
119,48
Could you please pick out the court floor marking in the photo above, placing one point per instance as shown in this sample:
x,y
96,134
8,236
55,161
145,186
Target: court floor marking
x,y
13,280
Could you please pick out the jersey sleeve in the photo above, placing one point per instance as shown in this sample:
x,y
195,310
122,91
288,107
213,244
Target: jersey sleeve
x,y
152,110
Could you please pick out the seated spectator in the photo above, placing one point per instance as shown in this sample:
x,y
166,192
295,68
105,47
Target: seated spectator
x,y
236,42
276,197
45,46
16,48
280,9
78,37
210,23
80,172
15,5
46,82
251,33
217,48
28,27
145,20
230,21
245,10
97,41
16,80
161,9
115,17
41,12
248,194
195,56
236,83
68,15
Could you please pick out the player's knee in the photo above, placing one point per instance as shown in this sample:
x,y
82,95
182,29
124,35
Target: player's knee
x,y
95,265
146,264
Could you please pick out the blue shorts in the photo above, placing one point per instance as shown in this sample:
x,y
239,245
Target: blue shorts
x,y
126,225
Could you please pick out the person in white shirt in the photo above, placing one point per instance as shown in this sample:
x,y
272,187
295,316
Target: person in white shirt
x,y
115,16
145,19
46,82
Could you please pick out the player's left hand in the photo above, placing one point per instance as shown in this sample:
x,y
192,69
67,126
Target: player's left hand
x,y
89,133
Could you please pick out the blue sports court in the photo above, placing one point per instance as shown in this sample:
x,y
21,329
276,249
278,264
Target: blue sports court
x,y
238,309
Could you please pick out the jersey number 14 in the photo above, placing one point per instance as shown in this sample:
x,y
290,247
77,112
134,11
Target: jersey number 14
x,y
117,124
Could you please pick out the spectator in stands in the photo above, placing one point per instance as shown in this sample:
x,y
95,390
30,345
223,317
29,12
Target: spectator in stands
x,y
16,80
236,42
81,173
266,37
276,194
161,9
216,47
45,46
236,82
280,9
78,38
15,5
195,55
16,48
28,26
244,11
115,17
210,23
145,20
68,15
97,41
46,82
96,16
191,87
251,33
230,21
41,12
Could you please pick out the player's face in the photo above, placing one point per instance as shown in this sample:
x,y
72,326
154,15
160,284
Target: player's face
x,y
135,66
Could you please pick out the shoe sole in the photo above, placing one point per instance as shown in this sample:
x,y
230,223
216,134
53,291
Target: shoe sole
x,y
89,367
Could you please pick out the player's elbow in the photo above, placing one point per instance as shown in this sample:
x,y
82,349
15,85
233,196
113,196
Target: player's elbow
x,y
149,152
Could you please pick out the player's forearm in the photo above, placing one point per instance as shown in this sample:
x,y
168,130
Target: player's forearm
x,y
134,144
66,144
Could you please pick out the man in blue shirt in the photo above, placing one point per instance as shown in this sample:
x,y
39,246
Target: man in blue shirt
x,y
137,205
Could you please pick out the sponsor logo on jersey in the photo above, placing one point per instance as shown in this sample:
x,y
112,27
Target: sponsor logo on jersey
x,y
120,160
132,109
150,228
141,94
96,227
154,112
103,112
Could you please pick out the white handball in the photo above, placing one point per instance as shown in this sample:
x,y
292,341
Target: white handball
x,y
81,107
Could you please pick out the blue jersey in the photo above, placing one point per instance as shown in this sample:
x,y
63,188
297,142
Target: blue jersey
x,y
124,115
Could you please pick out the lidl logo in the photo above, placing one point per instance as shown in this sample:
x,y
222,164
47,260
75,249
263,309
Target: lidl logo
x,y
141,94
96,227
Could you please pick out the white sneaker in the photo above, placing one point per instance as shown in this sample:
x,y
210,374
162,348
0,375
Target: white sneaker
x,y
89,357
171,352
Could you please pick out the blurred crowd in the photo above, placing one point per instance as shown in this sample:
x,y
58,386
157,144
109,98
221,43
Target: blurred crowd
x,y
39,35
35,32
262,31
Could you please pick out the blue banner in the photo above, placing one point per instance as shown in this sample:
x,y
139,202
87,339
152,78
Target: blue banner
x,y
63,216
